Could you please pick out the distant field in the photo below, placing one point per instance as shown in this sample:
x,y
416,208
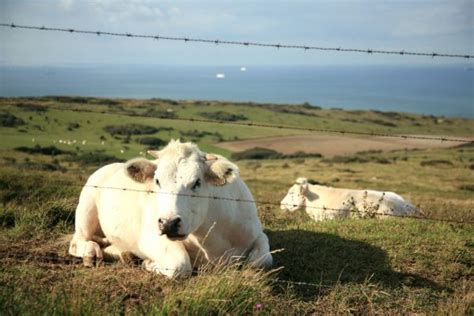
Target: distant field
x,y
47,127
360,266
331,145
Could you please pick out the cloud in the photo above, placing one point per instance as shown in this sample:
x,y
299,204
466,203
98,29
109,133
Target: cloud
x,y
122,10
66,5
433,20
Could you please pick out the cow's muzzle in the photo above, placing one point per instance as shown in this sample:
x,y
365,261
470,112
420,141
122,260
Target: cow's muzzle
x,y
170,227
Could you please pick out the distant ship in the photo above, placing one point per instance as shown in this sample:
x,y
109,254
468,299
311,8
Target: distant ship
x,y
220,76
243,68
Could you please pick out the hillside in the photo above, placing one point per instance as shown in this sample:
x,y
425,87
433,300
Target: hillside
x,y
50,119
368,266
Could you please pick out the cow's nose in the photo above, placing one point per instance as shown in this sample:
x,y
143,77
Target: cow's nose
x,y
169,227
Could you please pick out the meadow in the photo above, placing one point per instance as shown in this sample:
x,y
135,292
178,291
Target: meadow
x,y
364,266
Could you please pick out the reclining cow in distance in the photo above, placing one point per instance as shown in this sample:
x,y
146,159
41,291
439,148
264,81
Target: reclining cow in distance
x,y
323,202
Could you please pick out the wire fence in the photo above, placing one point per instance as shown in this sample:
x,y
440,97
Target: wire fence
x,y
236,43
274,203
350,208
54,258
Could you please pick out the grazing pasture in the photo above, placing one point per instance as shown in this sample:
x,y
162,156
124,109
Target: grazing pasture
x,y
398,265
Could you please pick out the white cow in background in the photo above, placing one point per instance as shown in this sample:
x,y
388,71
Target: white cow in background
x,y
322,202
175,227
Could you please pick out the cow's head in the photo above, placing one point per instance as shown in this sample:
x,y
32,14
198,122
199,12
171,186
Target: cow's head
x,y
296,196
182,177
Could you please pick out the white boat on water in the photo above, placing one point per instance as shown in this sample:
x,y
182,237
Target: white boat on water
x,y
243,68
220,76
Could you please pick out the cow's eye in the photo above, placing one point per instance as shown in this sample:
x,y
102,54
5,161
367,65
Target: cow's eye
x,y
157,182
196,184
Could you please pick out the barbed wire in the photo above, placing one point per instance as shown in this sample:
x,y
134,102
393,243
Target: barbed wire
x,y
238,43
54,258
289,127
351,209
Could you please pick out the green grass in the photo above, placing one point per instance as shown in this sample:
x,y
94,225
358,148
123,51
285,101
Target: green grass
x,y
362,266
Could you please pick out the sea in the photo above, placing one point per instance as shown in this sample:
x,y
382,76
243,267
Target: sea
x,y
430,90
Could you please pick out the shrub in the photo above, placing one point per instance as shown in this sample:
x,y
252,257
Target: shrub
x,y
167,101
368,152
347,159
302,154
309,106
48,150
438,162
466,187
199,134
94,158
151,141
391,115
256,153
293,109
7,218
126,139
381,122
266,153
316,182
466,145
361,158
10,120
223,116
72,126
159,113
384,161
350,120
9,160
103,101
31,107
40,166
130,129
66,99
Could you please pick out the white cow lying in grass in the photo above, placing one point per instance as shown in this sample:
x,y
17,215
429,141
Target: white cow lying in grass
x,y
174,227
322,202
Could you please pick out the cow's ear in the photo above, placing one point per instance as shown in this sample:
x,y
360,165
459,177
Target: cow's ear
x,y
304,188
140,170
220,171
303,184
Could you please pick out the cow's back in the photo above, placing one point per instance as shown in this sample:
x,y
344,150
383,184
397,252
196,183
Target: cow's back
x,y
389,203
91,190
119,209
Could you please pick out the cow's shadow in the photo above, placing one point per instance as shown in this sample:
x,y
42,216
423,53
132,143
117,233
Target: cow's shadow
x,y
328,260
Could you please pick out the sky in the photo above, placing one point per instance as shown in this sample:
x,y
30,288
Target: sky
x,y
410,25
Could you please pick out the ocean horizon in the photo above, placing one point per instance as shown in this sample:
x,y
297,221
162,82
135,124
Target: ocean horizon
x,y
429,90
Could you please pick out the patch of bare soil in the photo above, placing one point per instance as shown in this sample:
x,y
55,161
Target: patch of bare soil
x,y
334,145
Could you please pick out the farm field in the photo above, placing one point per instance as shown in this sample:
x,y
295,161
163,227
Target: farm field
x,y
51,144
332,145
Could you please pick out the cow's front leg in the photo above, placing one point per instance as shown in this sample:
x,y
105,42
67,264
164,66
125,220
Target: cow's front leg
x,y
260,255
166,257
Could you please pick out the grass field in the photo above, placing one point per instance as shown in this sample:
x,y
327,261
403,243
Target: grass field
x,y
365,266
